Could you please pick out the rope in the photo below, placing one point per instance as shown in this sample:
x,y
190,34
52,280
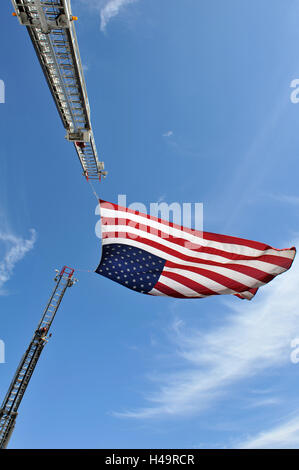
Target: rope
x,y
93,190
97,198
84,270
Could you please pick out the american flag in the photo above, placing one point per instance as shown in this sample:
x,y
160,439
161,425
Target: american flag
x,y
157,257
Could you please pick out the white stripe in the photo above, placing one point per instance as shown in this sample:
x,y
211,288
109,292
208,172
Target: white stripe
x,y
197,240
178,287
262,265
157,292
167,229
248,281
247,295
203,280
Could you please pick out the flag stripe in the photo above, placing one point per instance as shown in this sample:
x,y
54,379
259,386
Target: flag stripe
x,y
224,242
247,294
168,291
248,270
207,287
175,243
210,278
215,272
155,291
173,255
179,287
113,210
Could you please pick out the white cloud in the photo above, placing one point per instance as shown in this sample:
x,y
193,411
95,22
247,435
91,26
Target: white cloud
x,y
111,9
167,134
107,8
14,249
284,198
266,402
283,436
252,338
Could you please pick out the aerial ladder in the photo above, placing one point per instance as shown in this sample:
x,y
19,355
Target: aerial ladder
x,y
50,25
18,386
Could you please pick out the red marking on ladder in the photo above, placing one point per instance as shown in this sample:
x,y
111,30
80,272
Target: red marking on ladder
x,y
65,270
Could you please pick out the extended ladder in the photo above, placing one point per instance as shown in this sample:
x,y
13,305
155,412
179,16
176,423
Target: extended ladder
x,y
50,25
13,398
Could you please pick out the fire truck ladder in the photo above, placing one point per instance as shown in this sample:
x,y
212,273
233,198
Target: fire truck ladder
x,y
50,25
13,398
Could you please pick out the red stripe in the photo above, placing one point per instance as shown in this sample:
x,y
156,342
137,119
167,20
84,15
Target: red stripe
x,y
271,259
166,236
247,270
184,281
206,235
168,291
278,259
252,291
110,205
152,230
220,279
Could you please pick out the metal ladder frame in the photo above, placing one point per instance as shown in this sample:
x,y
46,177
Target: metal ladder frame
x,y
25,369
50,25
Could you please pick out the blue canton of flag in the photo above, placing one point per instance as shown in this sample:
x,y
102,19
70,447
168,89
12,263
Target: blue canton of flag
x,y
131,267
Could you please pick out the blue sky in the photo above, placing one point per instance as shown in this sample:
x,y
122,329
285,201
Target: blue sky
x,y
190,102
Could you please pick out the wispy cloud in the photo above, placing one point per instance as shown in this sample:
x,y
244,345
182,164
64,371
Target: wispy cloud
x,y
282,436
266,402
107,8
111,9
250,339
167,134
14,249
285,198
